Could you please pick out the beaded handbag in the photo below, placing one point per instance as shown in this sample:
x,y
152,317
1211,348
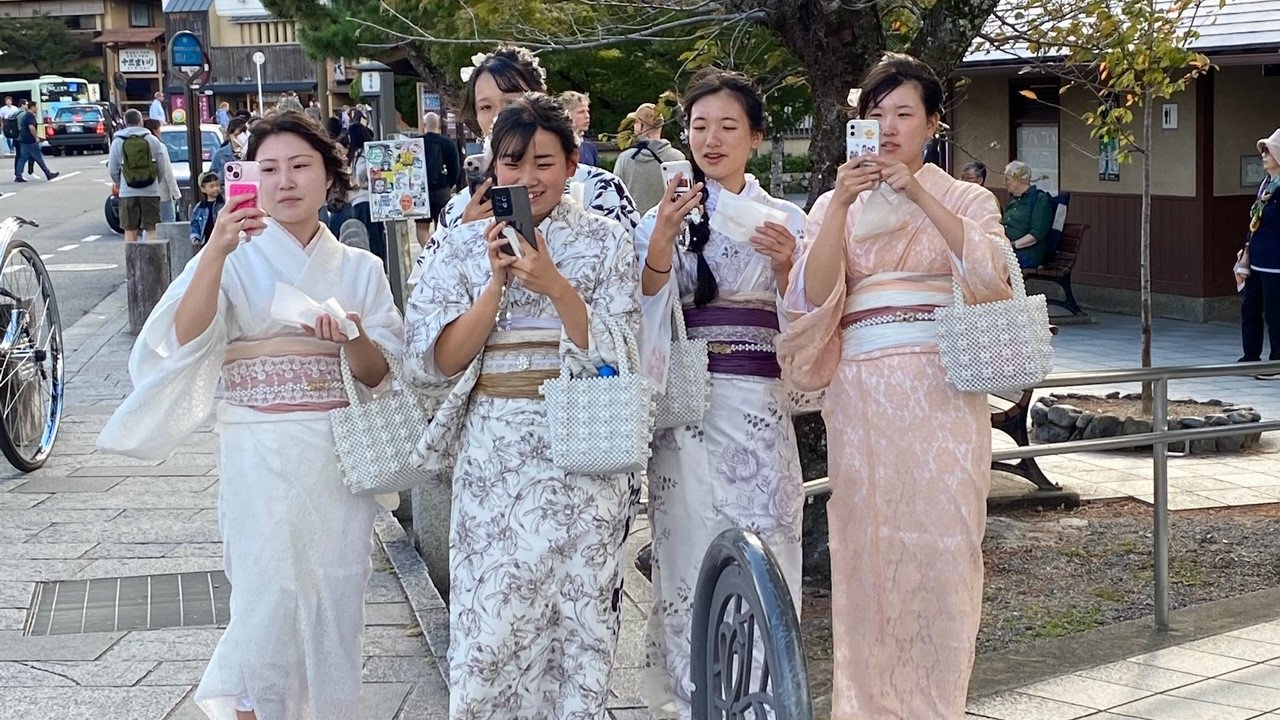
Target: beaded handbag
x,y
602,425
996,346
688,380
376,439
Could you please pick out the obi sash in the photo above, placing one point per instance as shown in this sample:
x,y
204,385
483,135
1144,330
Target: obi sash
x,y
893,309
740,336
517,362
283,374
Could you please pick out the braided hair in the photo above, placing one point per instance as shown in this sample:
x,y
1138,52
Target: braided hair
x,y
710,81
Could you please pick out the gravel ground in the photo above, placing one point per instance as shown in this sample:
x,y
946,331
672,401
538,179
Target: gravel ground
x,y
1054,573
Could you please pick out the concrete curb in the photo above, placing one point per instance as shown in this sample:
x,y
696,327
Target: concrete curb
x,y
429,609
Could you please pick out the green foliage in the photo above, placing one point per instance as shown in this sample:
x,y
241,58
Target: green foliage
x,y
759,165
42,42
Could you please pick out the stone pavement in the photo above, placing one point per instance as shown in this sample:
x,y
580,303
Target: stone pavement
x,y
90,515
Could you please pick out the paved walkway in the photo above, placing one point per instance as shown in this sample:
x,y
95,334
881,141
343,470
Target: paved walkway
x,y
89,515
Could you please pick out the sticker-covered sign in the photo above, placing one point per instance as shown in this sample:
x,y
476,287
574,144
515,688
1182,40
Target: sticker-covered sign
x,y
397,179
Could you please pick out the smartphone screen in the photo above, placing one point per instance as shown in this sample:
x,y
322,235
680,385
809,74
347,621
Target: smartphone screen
x,y
244,180
511,204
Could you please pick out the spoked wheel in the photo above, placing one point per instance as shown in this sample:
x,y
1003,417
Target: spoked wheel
x,y
31,369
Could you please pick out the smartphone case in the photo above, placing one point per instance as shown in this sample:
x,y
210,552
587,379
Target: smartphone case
x,y
862,137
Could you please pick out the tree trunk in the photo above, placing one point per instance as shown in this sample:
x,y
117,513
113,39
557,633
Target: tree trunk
x,y
777,153
1145,251
826,141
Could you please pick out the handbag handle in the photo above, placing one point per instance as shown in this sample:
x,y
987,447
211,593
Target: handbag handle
x,y
349,380
1015,277
679,332
628,352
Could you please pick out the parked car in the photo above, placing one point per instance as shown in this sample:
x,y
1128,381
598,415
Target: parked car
x,y
79,128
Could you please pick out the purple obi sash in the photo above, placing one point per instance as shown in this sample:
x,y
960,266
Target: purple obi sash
x,y
740,338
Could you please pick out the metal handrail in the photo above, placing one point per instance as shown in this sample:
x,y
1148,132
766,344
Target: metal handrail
x,y
1159,440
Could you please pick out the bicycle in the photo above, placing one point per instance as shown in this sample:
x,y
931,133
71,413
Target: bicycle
x,y
32,378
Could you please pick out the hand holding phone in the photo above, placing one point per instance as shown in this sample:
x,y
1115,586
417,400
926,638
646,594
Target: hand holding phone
x,y
678,167
511,204
862,138
244,180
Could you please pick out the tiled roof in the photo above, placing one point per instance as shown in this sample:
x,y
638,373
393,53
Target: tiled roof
x,y
187,6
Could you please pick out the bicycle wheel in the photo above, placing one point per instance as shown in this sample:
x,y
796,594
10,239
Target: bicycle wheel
x,y
31,361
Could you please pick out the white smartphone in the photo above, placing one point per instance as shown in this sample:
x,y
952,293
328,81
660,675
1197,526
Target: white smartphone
x,y
862,137
685,168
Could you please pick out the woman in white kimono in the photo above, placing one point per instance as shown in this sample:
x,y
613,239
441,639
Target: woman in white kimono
x,y
296,543
497,79
906,526
739,467
535,553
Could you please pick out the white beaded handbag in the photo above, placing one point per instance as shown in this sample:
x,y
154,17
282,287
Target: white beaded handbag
x,y
602,425
996,346
688,392
376,439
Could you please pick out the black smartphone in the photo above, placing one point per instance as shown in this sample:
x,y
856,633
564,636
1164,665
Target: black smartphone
x,y
477,170
511,204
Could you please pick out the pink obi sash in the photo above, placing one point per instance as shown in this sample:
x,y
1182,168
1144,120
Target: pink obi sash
x,y
284,374
893,309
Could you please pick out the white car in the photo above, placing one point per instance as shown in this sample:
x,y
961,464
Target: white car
x,y
175,138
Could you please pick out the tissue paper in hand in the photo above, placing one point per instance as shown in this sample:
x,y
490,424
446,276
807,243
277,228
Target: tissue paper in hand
x,y
293,307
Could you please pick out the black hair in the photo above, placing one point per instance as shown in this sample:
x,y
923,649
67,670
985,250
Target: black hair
x,y
513,68
208,177
296,122
710,81
151,124
979,168
518,122
893,71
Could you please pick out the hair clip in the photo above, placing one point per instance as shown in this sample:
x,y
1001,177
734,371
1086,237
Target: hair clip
x,y
476,61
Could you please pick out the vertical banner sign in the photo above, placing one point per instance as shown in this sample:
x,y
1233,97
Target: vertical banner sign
x,y
397,179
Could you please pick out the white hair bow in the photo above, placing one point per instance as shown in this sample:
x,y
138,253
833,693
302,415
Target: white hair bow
x,y
476,61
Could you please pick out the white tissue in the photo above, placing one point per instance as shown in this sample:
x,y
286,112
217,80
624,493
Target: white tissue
x,y
738,217
883,212
293,307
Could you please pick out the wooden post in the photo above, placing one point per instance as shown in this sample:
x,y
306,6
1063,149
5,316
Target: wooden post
x,y
146,267
178,235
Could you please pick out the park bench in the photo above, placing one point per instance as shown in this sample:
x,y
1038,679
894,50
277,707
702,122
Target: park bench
x,y
1058,265
1009,415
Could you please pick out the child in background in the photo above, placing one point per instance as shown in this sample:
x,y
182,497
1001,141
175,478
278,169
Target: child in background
x,y
206,211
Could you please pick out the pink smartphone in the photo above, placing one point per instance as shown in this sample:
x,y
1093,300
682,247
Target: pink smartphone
x,y
243,178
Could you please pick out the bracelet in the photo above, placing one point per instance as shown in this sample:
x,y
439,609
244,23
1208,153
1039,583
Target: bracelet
x,y
660,272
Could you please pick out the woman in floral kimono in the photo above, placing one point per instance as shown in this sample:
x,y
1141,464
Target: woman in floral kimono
x,y
739,467
906,524
296,543
535,552
497,79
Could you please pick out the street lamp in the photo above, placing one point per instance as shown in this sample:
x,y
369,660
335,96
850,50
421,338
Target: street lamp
x,y
258,59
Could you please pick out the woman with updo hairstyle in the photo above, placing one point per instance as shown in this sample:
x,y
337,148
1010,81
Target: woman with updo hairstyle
x,y
910,455
535,553
296,543
497,79
738,466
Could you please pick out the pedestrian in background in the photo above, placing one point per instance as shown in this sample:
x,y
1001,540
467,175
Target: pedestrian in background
x,y
157,112
974,172
171,193
9,110
1260,309
29,144
640,166
139,165
223,116
579,107
444,169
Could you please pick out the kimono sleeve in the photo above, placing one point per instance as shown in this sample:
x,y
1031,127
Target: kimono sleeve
x,y
443,293
173,386
809,348
983,275
614,294
655,311
378,313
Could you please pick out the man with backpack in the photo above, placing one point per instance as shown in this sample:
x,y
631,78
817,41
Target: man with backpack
x,y
640,166
29,145
8,112
139,165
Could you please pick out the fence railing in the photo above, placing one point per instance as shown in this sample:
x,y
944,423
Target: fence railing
x,y
1159,439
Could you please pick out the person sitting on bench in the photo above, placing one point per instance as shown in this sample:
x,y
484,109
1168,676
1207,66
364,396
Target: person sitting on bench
x,y
1028,215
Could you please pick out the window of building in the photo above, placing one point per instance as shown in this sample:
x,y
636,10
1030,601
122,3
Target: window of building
x,y
139,15
81,22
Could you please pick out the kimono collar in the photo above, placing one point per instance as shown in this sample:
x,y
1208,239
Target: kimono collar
x,y
314,272
934,179
751,190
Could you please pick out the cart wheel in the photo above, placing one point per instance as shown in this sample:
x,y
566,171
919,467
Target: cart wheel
x,y
31,360
111,210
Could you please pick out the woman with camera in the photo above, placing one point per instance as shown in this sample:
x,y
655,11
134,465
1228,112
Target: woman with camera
x,y
738,466
535,551
909,453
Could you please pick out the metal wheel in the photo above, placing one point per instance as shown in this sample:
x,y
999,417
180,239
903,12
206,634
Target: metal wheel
x,y
31,367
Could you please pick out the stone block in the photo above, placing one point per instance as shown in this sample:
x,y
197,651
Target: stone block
x,y
1135,426
94,703
72,674
1216,420
1108,425
55,648
1064,415
1230,444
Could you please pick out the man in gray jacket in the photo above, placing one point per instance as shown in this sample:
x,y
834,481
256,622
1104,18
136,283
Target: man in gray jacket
x,y
640,166
139,166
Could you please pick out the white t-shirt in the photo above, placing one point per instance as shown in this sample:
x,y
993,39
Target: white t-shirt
x,y
8,111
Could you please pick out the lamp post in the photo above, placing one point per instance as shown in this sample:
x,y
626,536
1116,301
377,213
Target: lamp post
x,y
258,59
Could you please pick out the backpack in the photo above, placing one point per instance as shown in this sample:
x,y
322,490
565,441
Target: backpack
x,y
136,164
11,126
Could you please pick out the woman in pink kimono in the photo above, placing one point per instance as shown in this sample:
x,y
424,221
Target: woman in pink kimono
x,y
908,452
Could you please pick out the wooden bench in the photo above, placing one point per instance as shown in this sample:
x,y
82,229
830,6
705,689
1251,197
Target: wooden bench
x,y
1009,415
1057,267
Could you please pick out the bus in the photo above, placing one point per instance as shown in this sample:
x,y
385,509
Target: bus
x,y
52,92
